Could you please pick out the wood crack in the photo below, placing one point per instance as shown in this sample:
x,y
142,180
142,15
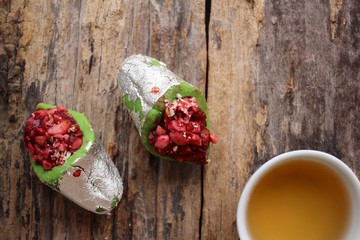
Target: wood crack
x,y
207,23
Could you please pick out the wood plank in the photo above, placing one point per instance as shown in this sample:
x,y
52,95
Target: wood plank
x,y
233,34
69,54
291,82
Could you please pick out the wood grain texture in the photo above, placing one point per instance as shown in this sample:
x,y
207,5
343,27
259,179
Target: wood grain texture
x,y
310,87
233,33
290,76
69,53
279,76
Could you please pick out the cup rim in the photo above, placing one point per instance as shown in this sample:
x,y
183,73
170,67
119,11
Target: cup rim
x,y
318,156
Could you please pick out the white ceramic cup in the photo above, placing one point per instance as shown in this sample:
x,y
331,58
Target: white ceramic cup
x,y
345,173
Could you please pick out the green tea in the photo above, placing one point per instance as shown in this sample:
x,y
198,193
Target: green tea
x,y
299,200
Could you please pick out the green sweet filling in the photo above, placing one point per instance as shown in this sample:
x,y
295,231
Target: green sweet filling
x,y
134,106
100,209
155,115
155,63
51,177
115,202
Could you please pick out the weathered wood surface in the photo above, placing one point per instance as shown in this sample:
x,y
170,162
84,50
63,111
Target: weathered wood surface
x,y
279,76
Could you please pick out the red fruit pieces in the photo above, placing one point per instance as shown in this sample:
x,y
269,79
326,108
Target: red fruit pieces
x,y
159,130
77,173
46,165
40,140
213,138
162,141
182,133
176,125
155,90
179,138
76,144
60,128
195,139
51,136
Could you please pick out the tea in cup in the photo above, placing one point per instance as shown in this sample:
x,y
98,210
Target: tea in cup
x,y
302,194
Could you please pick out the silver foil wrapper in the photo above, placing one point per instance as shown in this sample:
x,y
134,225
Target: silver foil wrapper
x,y
93,181
147,79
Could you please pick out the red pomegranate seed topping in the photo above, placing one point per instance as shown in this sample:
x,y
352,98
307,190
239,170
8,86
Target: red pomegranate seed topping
x,y
179,138
162,141
155,90
159,130
46,165
60,128
182,134
77,173
51,136
76,144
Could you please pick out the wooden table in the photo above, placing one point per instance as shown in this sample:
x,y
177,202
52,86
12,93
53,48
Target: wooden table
x,y
278,76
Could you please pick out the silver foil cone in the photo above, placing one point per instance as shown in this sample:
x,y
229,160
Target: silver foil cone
x,y
144,79
93,182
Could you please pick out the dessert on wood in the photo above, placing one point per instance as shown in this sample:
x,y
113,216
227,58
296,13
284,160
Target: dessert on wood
x,y
66,155
170,114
